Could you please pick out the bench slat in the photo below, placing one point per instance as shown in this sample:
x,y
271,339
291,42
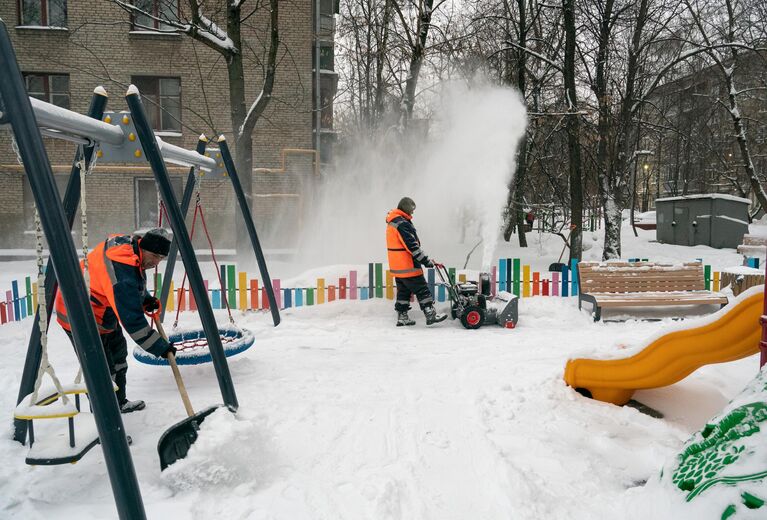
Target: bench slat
x,y
643,287
661,302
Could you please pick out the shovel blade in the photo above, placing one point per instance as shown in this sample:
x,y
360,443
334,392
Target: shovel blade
x,y
557,267
176,441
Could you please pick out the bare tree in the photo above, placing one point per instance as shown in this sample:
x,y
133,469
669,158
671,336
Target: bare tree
x,y
230,43
729,28
573,132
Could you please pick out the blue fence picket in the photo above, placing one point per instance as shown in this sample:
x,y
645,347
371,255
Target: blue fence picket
x,y
299,297
574,272
565,281
16,306
501,274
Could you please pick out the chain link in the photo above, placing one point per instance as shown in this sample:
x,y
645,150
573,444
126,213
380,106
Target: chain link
x,y
16,150
197,182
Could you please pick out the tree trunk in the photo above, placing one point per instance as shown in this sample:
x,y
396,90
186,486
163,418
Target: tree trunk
x,y
605,167
381,51
243,151
737,121
573,133
519,181
416,60
745,153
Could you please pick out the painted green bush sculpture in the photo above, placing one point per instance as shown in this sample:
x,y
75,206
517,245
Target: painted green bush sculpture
x,y
732,451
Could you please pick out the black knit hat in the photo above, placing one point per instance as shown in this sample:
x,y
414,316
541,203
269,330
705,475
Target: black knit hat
x,y
407,205
156,241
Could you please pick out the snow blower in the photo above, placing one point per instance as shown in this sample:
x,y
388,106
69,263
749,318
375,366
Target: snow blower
x,y
472,303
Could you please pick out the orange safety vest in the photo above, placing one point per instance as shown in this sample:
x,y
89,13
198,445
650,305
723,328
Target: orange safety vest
x,y
401,262
118,248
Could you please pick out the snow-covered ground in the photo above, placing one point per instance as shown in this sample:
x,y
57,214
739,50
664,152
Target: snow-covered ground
x,y
344,416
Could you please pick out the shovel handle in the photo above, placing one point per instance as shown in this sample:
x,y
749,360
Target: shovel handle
x,y
176,371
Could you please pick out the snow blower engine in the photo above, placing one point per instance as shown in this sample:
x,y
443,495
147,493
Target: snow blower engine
x,y
472,303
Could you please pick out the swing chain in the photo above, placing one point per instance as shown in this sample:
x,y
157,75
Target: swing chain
x,y
16,150
85,169
197,182
45,365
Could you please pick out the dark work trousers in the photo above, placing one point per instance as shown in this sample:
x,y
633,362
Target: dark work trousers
x,y
408,286
116,351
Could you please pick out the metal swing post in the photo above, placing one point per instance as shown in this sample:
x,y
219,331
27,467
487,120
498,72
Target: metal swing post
x,y
70,203
186,200
248,218
63,255
181,237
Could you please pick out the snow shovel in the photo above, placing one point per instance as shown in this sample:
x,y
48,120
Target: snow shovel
x,y
558,266
174,444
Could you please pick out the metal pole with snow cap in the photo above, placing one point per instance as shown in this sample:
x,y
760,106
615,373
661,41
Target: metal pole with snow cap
x,y
111,430
176,441
251,227
71,202
186,200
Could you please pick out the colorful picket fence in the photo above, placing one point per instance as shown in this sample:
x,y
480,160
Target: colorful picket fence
x,y
241,292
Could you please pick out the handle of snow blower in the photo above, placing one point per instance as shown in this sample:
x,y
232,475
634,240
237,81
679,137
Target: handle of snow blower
x,y
174,367
440,269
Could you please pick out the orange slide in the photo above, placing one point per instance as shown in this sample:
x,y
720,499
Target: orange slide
x,y
733,334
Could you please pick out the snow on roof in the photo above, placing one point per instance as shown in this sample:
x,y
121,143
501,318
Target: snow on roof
x,y
706,196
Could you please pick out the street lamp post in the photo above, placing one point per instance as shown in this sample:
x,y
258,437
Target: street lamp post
x,y
637,155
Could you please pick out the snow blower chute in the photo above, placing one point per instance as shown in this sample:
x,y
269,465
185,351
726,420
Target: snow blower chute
x,y
472,303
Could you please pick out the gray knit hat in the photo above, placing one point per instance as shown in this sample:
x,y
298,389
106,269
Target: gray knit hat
x,y
407,205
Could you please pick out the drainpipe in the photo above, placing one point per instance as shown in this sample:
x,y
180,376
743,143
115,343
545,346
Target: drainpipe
x,y
763,322
317,97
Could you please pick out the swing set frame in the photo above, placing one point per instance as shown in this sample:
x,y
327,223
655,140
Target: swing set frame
x,y
29,120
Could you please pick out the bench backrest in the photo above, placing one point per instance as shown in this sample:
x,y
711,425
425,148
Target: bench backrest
x,y
754,240
626,277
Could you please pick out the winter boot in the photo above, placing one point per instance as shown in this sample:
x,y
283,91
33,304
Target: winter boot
x,y
404,320
131,406
432,316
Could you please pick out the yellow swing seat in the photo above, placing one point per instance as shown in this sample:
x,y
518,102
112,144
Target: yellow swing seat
x,y
55,445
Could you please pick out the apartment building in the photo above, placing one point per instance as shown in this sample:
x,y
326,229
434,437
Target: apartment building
x,y
66,48
688,143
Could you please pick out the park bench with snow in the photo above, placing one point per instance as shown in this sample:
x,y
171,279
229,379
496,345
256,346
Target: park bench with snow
x,y
643,284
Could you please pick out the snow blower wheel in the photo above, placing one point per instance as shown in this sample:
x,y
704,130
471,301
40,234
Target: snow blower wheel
x,y
473,317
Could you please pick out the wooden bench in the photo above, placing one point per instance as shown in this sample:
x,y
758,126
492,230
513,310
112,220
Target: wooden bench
x,y
643,284
753,245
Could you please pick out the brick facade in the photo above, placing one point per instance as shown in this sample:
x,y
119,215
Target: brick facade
x,y
98,48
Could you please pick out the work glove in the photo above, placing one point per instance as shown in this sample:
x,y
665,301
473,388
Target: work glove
x,y
428,262
151,304
170,350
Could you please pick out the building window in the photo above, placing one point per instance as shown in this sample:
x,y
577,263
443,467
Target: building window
x,y
148,200
51,88
328,83
43,13
327,61
156,11
162,101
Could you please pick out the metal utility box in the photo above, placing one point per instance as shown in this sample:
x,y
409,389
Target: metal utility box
x,y
714,220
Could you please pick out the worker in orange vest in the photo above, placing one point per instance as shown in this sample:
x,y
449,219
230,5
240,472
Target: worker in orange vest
x,y
117,269
405,260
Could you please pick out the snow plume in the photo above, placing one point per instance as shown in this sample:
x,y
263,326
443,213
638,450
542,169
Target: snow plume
x,y
457,175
